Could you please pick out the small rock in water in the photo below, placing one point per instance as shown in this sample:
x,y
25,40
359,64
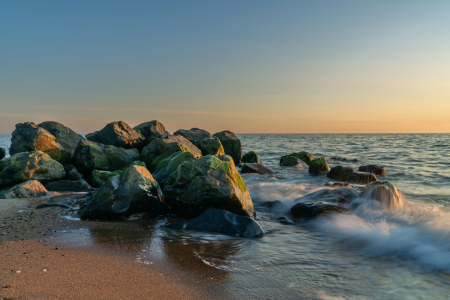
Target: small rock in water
x,y
342,159
255,168
377,170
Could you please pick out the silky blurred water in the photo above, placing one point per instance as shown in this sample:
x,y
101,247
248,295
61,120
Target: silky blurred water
x,y
370,253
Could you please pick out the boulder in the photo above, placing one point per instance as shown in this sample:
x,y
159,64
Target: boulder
x,y
64,136
69,186
134,191
151,130
384,192
26,166
314,209
222,221
162,148
231,144
27,189
72,173
91,155
318,166
289,161
100,177
377,170
169,165
2,153
250,157
255,168
208,181
347,174
303,155
203,140
30,137
118,134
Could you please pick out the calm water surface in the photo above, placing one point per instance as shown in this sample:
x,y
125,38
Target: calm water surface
x,y
370,253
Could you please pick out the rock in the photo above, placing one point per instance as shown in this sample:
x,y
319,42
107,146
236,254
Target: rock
x,y
303,156
203,140
208,181
377,170
231,144
255,168
162,148
222,221
384,192
151,131
100,177
338,184
69,186
274,205
64,136
250,157
118,134
30,137
2,153
91,155
318,166
135,191
289,161
314,209
347,174
72,173
34,165
343,159
27,189
169,165
285,220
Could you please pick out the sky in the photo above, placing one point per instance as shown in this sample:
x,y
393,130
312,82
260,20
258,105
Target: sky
x,y
245,66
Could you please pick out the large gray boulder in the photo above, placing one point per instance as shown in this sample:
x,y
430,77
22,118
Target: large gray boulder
x,y
224,222
151,130
26,166
208,181
169,165
162,148
231,144
27,189
64,136
348,174
133,192
207,143
2,153
30,137
118,134
91,155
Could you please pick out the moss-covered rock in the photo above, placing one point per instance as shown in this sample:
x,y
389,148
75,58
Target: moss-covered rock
x,y
118,134
348,174
134,191
2,153
231,144
169,165
27,189
289,161
64,136
377,170
164,147
151,130
26,166
384,192
100,177
208,181
203,140
318,166
30,137
91,155
303,155
250,157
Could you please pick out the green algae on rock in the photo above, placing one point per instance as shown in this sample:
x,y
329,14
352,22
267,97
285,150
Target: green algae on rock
x,y
231,144
169,165
318,166
303,155
289,161
250,157
348,174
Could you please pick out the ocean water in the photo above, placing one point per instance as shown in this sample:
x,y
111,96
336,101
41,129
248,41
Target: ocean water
x,y
373,252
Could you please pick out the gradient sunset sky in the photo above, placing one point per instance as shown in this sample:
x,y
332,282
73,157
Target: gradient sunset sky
x,y
245,66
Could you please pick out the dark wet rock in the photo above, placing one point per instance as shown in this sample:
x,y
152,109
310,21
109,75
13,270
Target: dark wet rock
x,y
118,134
69,186
303,156
151,131
343,159
339,195
27,189
222,221
231,144
162,148
64,136
289,161
30,137
377,170
255,168
203,140
338,184
348,174
250,157
45,205
169,165
26,166
91,155
2,153
100,177
275,205
133,192
314,209
208,181
384,192
318,166
285,220
72,173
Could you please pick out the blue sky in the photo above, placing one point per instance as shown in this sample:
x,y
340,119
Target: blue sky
x,y
247,66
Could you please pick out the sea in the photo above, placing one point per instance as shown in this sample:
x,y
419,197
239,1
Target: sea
x,y
371,252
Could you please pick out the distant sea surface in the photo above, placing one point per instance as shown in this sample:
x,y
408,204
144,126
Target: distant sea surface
x,y
370,253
